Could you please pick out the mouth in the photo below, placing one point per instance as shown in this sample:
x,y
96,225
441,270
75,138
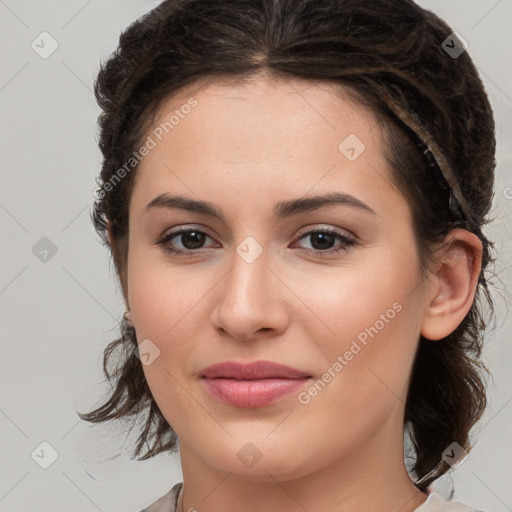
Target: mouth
x,y
252,385
252,371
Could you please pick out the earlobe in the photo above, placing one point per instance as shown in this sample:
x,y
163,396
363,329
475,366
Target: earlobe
x,y
454,284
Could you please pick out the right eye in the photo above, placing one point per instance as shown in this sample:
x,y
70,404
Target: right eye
x,y
191,240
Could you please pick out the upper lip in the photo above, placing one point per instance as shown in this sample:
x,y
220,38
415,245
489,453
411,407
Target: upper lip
x,y
252,371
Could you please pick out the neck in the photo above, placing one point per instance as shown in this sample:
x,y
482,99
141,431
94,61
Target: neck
x,y
372,477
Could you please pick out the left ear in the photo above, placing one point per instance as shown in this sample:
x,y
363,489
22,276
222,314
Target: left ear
x,y
454,281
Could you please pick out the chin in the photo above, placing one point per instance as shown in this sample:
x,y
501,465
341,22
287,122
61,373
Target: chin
x,y
260,460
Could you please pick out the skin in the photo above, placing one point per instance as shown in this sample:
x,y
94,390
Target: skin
x,y
244,148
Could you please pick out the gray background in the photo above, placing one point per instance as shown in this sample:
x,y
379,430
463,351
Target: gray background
x,y
58,315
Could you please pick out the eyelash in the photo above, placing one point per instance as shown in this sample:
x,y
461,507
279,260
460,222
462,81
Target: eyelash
x,y
347,241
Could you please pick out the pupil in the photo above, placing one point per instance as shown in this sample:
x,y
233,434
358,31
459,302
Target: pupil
x,y
326,237
196,238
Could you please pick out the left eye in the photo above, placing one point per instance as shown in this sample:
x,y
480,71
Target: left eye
x,y
192,241
321,241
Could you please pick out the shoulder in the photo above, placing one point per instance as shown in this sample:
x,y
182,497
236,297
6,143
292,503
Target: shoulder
x,y
436,503
167,502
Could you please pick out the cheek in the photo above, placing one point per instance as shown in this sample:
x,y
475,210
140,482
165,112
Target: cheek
x,y
164,300
366,326
368,298
168,308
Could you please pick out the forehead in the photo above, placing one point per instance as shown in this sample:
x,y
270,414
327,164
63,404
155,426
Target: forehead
x,y
234,134
232,116
272,96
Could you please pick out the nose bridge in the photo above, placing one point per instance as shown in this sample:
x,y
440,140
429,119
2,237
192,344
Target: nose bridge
x,y
244,288
248,299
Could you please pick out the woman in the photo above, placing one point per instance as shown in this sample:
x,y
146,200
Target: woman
x,y
293,192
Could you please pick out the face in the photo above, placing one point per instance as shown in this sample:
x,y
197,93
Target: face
x,y
329,287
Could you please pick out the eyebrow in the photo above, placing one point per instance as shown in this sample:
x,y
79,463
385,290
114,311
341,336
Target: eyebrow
x,y
282,209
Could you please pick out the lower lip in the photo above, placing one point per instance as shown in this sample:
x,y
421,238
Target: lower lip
x,y
252,393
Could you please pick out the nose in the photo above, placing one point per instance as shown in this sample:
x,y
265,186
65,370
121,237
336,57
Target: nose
x,y
251,301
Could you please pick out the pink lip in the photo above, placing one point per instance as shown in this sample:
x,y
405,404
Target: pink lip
x,y
252,385
250,371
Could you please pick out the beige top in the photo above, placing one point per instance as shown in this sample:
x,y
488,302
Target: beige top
x,y
434,503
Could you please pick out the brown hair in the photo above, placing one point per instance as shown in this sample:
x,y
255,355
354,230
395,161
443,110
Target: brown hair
x,y
439,129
